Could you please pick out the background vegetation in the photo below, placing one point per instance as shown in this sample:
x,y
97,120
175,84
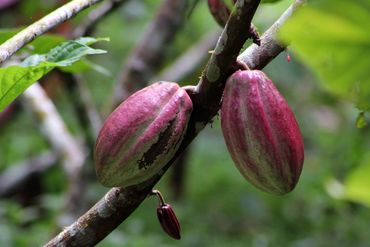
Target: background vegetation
x,y
218,208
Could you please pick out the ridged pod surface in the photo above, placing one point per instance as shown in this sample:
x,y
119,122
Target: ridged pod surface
x,y
142,134
261,132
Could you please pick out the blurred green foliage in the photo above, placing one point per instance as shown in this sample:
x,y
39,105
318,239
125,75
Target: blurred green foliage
x,y
335,43
219,207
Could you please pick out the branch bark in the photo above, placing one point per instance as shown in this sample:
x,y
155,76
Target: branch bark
x,y
119,203
257,57
67,11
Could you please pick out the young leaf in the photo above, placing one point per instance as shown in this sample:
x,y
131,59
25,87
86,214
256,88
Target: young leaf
x,y
333,38
15,79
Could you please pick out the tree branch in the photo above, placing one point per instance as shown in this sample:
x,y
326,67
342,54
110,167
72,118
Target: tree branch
x,y
67,11
119,203
221,65
257,57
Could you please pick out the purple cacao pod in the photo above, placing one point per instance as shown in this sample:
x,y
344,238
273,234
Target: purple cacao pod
x,y
220,10
261,132
168,220
142,134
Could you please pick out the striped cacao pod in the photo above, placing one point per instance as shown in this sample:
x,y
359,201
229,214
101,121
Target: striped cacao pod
x,y
261,132
142,134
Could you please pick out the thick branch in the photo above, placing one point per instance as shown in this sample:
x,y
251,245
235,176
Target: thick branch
x,y
222,62
119,203
67,11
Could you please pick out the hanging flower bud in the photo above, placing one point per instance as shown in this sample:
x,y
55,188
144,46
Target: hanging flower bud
x,y
167,217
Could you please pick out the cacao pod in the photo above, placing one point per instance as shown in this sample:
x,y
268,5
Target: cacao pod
x,y
261,132
142,134
220,10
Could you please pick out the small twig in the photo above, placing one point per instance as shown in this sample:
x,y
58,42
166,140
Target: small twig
x,y
257,57
149,55
159,196
88,25
190,61
67,11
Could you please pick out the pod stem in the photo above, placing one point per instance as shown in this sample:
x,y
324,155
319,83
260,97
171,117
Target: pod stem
x,y
159,195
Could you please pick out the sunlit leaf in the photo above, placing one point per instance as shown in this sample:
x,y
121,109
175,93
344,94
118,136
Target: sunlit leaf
x,y
357,184
333,38
15,79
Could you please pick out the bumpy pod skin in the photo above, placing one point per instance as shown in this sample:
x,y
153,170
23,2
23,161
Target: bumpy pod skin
x,y
220,11
142,134
261,132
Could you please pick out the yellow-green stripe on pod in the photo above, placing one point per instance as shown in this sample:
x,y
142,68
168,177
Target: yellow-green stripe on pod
x,y
142,134
261,132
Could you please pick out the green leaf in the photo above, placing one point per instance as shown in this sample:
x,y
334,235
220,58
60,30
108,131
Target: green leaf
x,y
361,120
15,79
84,65
333,38
41,44
357,184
